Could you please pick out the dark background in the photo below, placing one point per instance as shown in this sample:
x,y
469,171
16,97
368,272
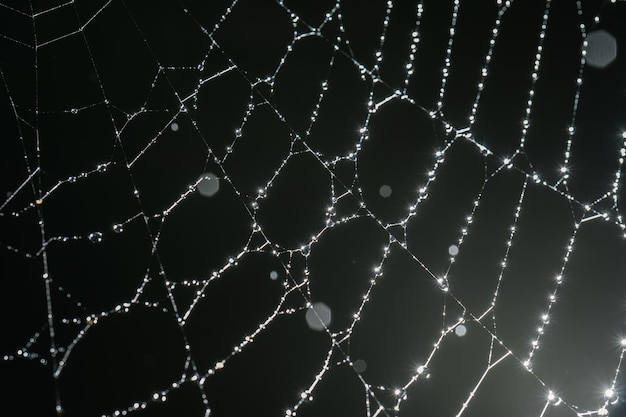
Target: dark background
x,y
89,92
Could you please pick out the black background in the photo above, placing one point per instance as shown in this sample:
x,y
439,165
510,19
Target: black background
x,y
104,85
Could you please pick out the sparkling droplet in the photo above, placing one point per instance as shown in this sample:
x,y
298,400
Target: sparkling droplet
x,y
423,371
95,237
553,398
118,228
611,395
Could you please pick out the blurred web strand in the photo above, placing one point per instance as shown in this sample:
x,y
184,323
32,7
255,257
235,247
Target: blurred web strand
x,y
59,356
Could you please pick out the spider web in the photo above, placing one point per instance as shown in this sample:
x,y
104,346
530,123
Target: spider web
x,y
287,208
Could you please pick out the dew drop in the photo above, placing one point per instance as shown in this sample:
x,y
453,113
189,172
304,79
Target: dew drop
x,y
553,398
95,237
118,228
423,371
